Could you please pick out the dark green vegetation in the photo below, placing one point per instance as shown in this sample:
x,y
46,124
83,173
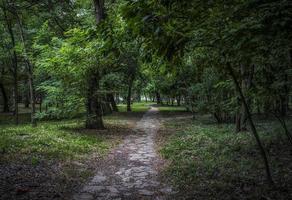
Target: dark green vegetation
x,y
209,161
71,60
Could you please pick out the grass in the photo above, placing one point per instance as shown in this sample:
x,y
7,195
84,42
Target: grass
x,y
166,108
52,140
65,139
210,161
136,107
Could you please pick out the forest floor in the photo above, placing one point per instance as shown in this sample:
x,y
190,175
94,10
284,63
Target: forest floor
x,y
54,159
138,154
210,161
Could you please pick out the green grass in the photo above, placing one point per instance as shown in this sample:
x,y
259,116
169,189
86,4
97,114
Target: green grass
x,y
51,140
136,107
165,108
208,161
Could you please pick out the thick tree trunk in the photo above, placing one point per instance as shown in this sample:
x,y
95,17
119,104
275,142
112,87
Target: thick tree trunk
x,y
93,106
5,98
251,123
99,10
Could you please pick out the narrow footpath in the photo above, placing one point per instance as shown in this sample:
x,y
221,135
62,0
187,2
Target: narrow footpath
x,y
131,170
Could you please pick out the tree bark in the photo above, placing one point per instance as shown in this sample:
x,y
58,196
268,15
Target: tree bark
x,y
129,94
158,98
5,98
93,106
113,102
29,71
178,100
281,119
246,82
14,63
251,123
99,10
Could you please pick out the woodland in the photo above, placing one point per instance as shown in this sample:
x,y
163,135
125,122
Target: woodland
x,y
208,81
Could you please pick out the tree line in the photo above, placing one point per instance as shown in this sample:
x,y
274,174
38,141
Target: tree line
x,y
230,59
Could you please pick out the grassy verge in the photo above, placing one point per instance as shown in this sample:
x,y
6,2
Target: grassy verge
x,y
210,161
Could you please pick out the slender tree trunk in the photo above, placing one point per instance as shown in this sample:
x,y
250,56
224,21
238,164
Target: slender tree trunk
x,y
113,102
178,100
14,64
41,103
26,100
158,98
27,97
5,98
281,119
238,123
251,123
246,82
129,95
29,72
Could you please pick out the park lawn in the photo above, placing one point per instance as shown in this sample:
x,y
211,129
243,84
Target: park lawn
x,y
167,108
210,161
64,139
136,107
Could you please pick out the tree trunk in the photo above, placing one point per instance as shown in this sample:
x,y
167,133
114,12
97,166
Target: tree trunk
x,y
93,106
238,122
14,64
29,72
99,10
5,98
158,98
113,102
129,95
178,100
251,123
246,82
41,103
281,119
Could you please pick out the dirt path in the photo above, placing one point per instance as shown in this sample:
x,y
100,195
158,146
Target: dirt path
x,y
130,171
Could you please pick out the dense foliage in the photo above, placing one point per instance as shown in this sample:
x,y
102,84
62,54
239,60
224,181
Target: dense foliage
x,y
230,59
